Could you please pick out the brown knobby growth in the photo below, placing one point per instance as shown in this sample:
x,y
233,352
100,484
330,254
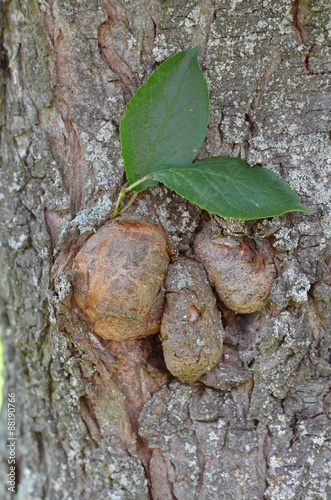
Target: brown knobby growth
x,y
118,279
191,328
122,272
241,273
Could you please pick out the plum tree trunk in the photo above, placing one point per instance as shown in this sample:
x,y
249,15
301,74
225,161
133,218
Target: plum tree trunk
x,y
97,418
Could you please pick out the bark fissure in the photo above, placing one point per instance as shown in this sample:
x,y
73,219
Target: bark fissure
x,y
265,80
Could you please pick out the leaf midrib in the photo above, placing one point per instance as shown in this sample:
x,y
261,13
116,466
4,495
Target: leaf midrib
x,y
220,193
210,174
180,173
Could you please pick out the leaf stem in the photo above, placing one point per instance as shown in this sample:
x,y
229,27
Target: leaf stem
x,y
133,197
119,199
127,190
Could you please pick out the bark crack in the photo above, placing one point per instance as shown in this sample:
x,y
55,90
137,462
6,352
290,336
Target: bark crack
x,y
266,79
300,10
108,48
307,56
90,419
302,35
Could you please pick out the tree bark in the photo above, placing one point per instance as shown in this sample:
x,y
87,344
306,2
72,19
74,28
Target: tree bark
x,y
105,419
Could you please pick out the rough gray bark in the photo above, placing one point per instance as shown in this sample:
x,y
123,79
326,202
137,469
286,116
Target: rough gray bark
x,y
106,420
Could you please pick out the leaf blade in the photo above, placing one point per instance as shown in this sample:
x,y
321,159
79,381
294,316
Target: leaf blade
x,y
229,187
166,121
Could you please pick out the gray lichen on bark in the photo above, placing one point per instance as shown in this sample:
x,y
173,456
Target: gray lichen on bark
x,y
102,420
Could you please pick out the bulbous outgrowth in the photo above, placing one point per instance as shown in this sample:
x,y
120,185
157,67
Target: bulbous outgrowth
x,y
191,328
241,274
118,279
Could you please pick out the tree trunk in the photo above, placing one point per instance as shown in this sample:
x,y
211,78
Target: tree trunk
x,y
106,419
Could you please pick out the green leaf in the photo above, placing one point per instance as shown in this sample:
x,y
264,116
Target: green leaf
x,y
166,121
229,187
